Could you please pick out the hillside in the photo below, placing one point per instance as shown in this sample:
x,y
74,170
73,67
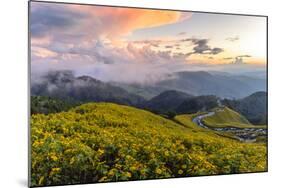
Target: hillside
x,y
46,105
253,107
199,103
167,101
63,84
99,142
225,117
147,91
180,103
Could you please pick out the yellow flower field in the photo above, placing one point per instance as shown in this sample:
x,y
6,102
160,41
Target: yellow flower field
x,y
100,142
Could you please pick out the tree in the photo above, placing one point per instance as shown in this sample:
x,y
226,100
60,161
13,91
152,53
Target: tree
x,y
171,114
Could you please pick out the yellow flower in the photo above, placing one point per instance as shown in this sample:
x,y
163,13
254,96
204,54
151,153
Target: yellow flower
x,y
111,172
54,158
133,168
100,151
129,174
54,171
180,172
184,166
41,180
72,160
158,171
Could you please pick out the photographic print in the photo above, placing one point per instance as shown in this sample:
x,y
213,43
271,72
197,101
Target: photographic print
x,y
124,93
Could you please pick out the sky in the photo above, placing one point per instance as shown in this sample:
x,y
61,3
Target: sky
x,y
126,44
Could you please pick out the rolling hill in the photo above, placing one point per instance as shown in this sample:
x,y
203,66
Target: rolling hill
x,y
167,101
100,142
195,104
225,117
253,107
146,91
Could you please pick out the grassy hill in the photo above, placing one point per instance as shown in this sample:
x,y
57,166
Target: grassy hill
x,y
225,117
99,142
167,101
253,107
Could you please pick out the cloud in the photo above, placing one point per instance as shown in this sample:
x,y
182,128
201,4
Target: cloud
x,y
104,62
215,51
66,35
153,43
232,39
48,18
201,46
239,56
244,56
228,58
90,40
182,33
237,59
43,52
185,16
169,46
88,22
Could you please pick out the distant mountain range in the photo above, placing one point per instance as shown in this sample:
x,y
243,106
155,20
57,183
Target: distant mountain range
x,y
204,83
221,84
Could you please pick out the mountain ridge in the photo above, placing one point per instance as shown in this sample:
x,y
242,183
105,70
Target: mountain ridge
x,y
63,84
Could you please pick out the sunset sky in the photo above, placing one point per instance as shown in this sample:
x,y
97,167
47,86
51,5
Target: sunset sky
x,y
104,41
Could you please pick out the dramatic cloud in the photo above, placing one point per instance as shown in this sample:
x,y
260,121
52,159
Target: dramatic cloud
x,y
65,34
87,22
47,18
89,39
102,42
106,63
